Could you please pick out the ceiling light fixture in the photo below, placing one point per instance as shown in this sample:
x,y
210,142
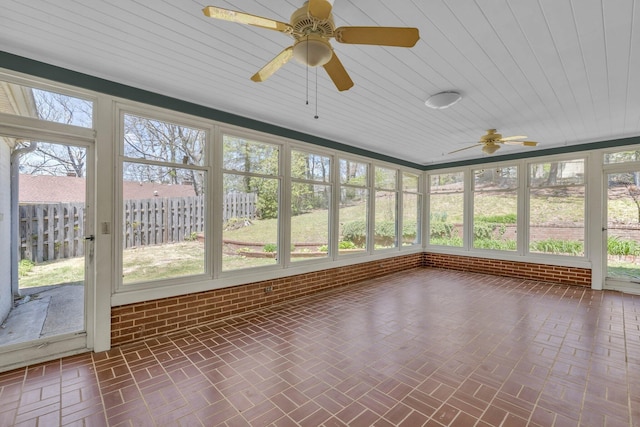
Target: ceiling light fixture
x,y
490,148
443,100
312,50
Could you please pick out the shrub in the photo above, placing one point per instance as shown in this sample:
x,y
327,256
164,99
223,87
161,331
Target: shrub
x,y
502,245
270,247
438,217
409,229
25,266
497,219
345,244
385,233
441,230
483,231
556,246
622,247
446,241
355,232
191,237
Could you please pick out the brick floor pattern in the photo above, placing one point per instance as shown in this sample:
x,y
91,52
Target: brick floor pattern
x,y
424,347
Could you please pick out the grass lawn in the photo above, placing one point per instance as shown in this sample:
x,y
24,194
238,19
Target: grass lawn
x,y
54,273
187,258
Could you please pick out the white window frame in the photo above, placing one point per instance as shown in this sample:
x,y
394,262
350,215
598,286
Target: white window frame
x,y
172,117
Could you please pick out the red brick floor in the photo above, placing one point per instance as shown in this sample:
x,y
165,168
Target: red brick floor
x,y
425,347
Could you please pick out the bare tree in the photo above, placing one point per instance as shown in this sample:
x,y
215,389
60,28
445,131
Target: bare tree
x,y
170,144
58,159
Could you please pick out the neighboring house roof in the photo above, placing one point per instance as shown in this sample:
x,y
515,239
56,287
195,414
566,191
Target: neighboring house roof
x,y
68,189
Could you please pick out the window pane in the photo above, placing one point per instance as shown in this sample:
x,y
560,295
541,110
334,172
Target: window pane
x,y
495,179
353,173
410,182
163,222
446,183
557,220
385,221
494,220
352,216
309,166
411,209
45,105
250,215
445,219
161,141
309,221
557,173
385,178
622,156
249,156
557,208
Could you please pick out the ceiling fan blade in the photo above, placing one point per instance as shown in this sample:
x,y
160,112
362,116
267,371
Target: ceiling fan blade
x,y
245,18
465,148
338,74
381,36
320,9
273,65
524,143
513,138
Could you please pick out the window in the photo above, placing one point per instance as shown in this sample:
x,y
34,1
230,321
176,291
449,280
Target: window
x,y
310,205
446,209
495,208
385,208
624,156
557,207
353,211
251,200
411,209
49,106
164,191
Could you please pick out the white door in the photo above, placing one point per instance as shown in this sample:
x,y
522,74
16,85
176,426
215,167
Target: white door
x,y
622,232
52,245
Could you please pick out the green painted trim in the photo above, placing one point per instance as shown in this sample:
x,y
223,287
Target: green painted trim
x,y
96,84
539,153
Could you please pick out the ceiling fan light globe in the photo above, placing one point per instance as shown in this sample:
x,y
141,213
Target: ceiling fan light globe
x,y
313,51
490,148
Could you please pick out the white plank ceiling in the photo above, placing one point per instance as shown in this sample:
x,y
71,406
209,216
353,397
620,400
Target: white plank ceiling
x,y
562,72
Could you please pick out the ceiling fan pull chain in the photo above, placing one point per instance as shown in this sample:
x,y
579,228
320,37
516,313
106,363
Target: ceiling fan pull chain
x,y
307,68
316,116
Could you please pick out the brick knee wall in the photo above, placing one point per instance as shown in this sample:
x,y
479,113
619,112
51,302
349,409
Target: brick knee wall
x,y
142,320
523,270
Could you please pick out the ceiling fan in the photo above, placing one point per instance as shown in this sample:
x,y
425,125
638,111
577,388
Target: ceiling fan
x,y
492,140
311,27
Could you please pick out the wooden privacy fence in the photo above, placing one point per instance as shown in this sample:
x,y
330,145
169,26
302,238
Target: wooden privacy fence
x,y
56,230
161,220
51,231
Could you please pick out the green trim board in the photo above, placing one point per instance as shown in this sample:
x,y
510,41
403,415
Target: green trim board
x,y
55,73
96,84
634,140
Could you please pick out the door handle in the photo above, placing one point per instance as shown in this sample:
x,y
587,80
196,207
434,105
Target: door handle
x,y
90,238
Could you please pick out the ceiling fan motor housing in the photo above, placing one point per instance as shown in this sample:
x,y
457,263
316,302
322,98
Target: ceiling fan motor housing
x,y
312,35
491,136
304,24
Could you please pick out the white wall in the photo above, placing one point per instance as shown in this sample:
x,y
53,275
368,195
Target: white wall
x,y
6,298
